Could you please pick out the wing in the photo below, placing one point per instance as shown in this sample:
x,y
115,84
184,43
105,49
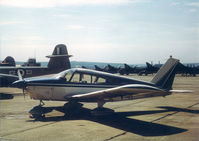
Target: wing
x,y
125,92
6,79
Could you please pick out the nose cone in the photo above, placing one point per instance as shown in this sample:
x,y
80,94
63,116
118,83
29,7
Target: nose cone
x,y
19,84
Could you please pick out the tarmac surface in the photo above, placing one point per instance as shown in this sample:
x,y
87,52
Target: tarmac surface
x,y
171,118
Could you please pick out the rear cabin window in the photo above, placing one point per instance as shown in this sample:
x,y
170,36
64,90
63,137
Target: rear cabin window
x,y
99,80
85,78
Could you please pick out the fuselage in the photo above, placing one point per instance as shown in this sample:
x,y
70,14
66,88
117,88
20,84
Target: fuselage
x,y
75,81
28,71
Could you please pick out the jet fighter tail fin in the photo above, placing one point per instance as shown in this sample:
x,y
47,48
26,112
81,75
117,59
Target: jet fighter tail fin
x,y
8,61
149,65
165,76
60,58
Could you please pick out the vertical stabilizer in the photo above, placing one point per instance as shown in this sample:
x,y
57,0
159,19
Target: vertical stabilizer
x,y
8,61
60,58
165,76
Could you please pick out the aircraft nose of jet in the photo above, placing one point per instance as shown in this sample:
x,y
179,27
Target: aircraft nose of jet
x,y
19,84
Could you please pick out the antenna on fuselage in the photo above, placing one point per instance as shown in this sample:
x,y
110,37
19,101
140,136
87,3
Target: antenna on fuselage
x,y
35,53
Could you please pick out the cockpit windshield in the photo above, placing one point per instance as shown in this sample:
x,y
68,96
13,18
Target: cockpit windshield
x,y
65,74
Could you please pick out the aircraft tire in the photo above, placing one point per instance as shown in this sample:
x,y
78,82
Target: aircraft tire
x,y
37,116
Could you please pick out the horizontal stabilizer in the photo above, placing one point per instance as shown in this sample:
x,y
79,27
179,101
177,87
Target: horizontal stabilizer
x,y
181,91
59,58
53,56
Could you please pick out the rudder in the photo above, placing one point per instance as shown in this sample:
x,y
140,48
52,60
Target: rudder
x,y
60,58
165,76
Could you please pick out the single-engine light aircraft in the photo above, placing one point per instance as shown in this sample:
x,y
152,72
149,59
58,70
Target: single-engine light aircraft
x,y
84,85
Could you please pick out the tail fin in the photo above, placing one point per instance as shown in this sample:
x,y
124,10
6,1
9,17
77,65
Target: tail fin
x,y
8,61
149,65
60,58
127,66
165,76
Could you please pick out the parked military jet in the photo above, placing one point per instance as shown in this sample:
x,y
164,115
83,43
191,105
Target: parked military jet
x,y
98,68
187,70
111,69
59,61
84,85
108,68
150,69
126,70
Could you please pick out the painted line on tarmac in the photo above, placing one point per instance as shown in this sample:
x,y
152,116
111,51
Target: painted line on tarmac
x,y
173,113
117,107
124,133
7,139
24,130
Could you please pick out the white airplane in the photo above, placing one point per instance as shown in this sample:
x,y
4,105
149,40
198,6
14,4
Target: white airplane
x,y
84,85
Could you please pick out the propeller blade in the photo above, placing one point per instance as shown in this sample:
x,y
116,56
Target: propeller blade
x,y
21,83
19,74
23,92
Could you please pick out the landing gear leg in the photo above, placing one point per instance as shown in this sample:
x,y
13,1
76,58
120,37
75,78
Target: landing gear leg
x,y
41,103
100,110
100,103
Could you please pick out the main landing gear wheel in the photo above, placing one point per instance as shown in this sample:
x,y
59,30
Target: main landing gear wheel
x,y
72,109
100,110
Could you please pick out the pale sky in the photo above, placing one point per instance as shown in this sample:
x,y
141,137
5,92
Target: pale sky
x,y
117,31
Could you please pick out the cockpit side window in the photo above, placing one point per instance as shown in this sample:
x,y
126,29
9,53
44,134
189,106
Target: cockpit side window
x,y
91,79
81,78
85,78
68,76
75,78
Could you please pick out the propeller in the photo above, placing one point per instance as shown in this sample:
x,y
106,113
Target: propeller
x,y
24,83
21,83
19,75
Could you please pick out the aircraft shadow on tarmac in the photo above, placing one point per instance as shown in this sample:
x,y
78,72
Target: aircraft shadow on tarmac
x,y
6,96
121,121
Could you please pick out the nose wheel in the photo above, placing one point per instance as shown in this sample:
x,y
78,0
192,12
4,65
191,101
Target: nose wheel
x,y
38,112
37,116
